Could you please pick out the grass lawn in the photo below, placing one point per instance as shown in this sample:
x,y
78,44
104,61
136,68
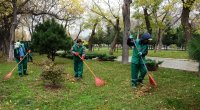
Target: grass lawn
x,y
176,89
163,53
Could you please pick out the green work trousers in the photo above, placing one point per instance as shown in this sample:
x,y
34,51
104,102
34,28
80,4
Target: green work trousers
x,y
137,69
78,68
22,66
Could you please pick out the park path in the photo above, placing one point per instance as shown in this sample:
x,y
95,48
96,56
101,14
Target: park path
x,y
181,64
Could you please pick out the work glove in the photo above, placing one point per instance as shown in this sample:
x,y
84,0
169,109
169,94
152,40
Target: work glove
x,y
29,51
82,58
76,53
140,53
21,58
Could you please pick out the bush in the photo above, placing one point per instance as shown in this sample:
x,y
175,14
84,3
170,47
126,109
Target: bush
x,y
194,49
91,56
105,57
87,56
101,57
152,65
52,73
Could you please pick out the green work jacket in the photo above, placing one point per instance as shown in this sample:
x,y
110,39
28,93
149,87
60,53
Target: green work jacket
x,y
136,58
80,50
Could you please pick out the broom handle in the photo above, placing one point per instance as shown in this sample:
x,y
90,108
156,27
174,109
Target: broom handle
x,y
142,59
19,63
88,67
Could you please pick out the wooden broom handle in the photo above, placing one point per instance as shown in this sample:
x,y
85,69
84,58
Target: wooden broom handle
x,y
88,67
19,63
142,59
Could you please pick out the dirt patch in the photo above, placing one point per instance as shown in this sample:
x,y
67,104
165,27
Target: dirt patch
x,y
52,87
144,90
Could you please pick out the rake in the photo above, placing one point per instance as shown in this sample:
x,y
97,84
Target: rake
x,y
8,75
98,81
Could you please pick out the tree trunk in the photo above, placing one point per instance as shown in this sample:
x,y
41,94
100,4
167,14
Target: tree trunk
x,y
160,44
6,46
12,31
90,42
126,20
185,23
159,40
147,21
113,44
187,5
117,29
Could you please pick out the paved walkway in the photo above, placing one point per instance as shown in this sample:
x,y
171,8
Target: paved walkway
x,y
181,64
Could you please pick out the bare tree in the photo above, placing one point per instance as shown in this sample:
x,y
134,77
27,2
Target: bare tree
x,y
115,25
35,9
13,27
90,42
81,28
147,20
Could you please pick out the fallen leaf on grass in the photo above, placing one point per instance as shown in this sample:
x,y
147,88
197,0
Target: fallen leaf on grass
x,y
142,91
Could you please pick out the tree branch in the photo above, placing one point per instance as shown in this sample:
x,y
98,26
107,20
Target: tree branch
x,y
101,13
24,3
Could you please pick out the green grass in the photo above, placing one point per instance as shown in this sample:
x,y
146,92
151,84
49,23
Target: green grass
x,y
176,89
163,53
169,54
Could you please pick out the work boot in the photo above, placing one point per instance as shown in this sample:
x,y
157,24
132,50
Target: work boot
x,y
75,76
81,77
140,83
25,73
78,78
134,87
20,74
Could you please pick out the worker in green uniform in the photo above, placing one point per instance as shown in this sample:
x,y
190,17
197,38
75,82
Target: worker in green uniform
x,y
140,50
20,55
78,50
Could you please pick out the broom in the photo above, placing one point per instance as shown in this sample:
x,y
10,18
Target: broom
x,y
8,75
98,81
151,80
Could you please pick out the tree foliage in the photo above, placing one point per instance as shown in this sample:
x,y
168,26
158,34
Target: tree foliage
x,y
194,49
49,37
181,41
169,37
28,13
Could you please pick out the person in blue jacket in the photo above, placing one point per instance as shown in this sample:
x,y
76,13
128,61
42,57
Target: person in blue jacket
x,y
20,55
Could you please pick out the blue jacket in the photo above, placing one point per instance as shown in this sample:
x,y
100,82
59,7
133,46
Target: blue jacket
x,y
22,51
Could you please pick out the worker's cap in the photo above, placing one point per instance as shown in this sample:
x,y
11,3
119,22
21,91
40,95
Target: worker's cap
x,y
146,36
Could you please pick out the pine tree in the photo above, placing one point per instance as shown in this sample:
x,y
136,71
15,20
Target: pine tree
x,y
50,37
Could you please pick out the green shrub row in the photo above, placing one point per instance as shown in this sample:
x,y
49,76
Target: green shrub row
x,y
152,65
101,57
